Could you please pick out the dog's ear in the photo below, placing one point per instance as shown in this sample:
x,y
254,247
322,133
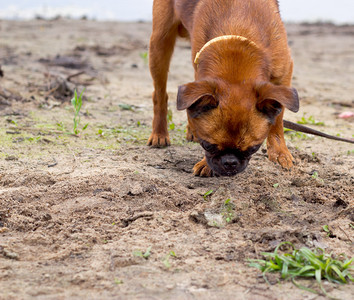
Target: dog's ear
x,y
272,98
197,97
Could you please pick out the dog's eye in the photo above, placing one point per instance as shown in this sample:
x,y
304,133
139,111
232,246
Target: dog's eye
x,y
203,105
208,146
252,150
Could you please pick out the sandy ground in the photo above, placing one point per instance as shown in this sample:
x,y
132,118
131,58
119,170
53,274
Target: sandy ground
x,y
75,209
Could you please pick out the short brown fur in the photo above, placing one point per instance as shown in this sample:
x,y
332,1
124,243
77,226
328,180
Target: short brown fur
x,y
242,85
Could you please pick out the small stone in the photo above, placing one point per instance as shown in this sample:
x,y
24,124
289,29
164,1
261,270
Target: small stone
x,y
4,229
136,189
77,279
10,254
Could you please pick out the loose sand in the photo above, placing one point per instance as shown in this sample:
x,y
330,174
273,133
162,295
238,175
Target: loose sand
x,y
74,209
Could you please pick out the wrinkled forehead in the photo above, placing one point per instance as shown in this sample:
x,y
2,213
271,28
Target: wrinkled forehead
x,y
232,128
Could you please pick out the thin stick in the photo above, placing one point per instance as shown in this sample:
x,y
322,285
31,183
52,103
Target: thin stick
x,y
74,75
305,129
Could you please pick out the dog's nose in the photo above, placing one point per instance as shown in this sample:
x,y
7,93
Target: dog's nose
x,y
230,161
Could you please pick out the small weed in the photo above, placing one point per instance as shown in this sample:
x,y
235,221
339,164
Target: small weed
x,y
100,132
14,122
314,175
296,135
118,281
77,103
307,264
329,231
145,57
275,185
206,194
61,127
228,211
166,260
171,125
351,225
33,139
145,255
125,106
310,120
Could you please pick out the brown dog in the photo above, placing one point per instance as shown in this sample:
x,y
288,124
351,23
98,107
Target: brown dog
x,y
243,71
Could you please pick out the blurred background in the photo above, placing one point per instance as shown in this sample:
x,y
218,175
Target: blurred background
x,y
337,11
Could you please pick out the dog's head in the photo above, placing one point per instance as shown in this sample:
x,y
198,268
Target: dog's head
x,y
232,121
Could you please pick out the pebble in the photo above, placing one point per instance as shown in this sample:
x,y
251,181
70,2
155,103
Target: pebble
x,y
10,254
4,229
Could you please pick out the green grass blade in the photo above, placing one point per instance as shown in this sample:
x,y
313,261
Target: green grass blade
x,y
318,275
291,262
348,263
312,258
272,255
304,270
147,252
339,273
264,275
73,100
300,286
284,271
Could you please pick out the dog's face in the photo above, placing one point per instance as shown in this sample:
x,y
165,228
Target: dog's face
x,y
232,121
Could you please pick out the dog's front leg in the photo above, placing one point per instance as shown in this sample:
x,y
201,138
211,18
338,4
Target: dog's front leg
x,y
162,41
277,150
276,147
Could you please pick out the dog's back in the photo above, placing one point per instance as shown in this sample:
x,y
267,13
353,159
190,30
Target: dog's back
x,y
214,18
257,20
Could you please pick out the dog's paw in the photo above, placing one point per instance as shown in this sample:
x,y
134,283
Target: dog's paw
x,y
202,169
159,140
281,156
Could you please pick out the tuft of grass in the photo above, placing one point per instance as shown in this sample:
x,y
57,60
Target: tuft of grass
x,y
328,231
314,175
61,126
76,101
296,134
118,281
171,125
125,106
166,260
206,194
145,57
145,255
304,263
228,210
310,121
13,122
